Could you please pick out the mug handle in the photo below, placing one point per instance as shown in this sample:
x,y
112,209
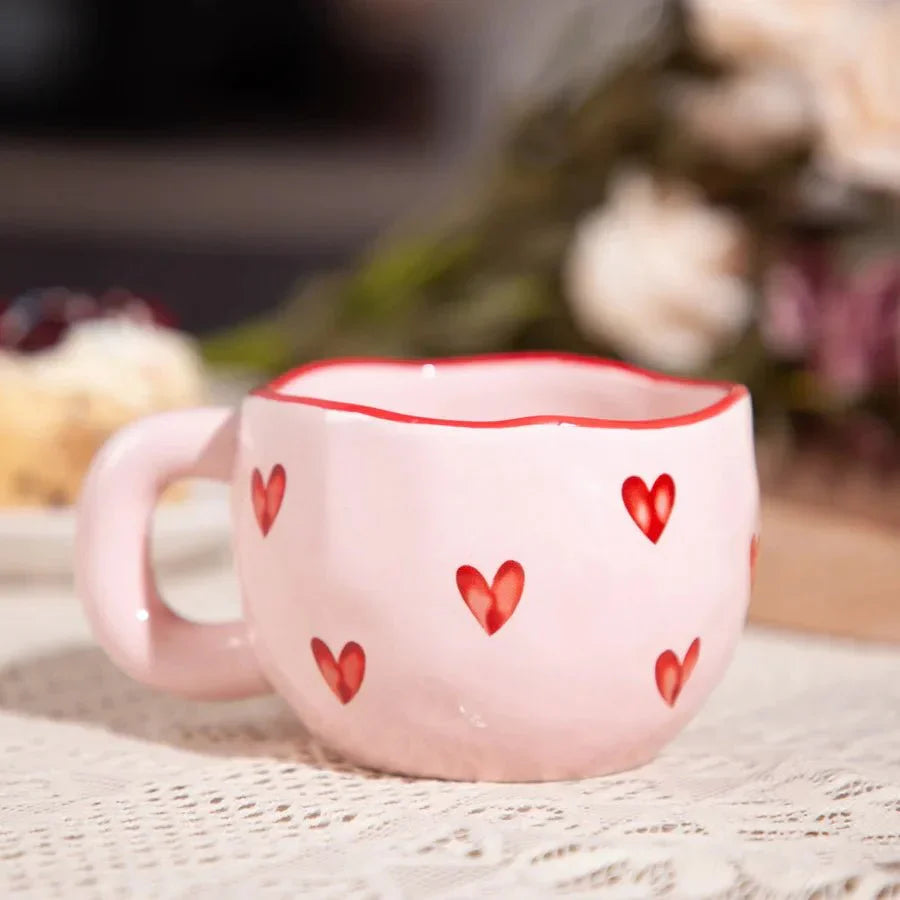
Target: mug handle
x,y
142,635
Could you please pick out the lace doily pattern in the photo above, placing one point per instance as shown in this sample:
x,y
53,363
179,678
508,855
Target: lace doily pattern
x,y
787,785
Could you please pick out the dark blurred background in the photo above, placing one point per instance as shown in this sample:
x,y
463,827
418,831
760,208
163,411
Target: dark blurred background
x,y
208,152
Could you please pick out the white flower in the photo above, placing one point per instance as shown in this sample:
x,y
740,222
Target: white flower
x,y
749,115
656,274
844,51
857,86
754,32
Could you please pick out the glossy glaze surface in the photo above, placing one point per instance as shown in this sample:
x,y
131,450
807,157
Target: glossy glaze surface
x,y
512,568
393,536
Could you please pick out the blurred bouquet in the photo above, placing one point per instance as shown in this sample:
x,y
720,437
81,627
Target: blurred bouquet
x,y
721,200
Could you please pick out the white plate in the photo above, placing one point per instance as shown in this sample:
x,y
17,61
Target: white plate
x,y
41,542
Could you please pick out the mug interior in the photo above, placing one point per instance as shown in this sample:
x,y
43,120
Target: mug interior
x,y
505,389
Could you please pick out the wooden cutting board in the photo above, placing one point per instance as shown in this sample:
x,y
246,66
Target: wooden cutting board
x,y
827,572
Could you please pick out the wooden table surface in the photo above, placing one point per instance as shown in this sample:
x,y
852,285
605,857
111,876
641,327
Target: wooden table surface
x,y
827,573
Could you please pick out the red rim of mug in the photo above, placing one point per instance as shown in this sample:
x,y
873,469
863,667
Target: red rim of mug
x,y
732,393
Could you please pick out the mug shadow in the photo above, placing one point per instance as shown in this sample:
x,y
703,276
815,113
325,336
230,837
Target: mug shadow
x,y
78,685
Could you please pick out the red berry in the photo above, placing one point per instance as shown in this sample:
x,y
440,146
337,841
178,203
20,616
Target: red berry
x,y
42,336
38,320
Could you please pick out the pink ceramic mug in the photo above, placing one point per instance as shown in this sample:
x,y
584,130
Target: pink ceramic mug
x,y
518,567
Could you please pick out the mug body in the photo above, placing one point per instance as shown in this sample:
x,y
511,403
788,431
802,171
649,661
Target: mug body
x,y
505,568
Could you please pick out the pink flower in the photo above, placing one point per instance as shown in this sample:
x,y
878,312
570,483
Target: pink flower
x,y
844,329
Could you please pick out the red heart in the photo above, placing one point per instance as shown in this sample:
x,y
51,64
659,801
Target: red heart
x,y
345,675
672,675
492,606
267,497
650,509
754,555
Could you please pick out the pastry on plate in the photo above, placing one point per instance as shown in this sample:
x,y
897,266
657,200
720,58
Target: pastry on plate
x,y
72,371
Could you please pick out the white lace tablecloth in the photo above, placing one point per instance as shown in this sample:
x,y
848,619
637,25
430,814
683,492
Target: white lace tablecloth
x,y
787,785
